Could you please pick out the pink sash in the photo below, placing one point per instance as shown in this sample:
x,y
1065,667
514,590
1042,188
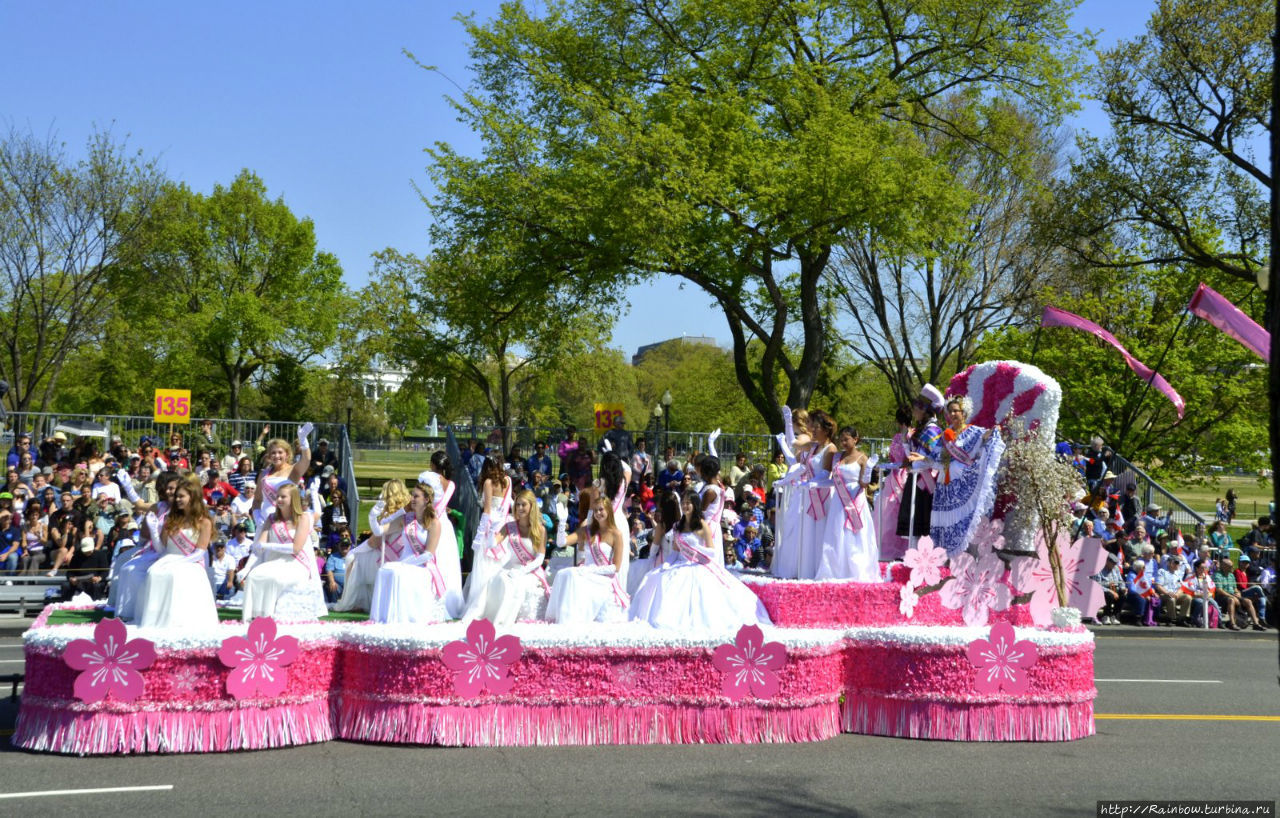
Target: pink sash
x,y
853,504
281,531
442,505
697,557
189,548
818,501
597,553
526,555
621,497
713,515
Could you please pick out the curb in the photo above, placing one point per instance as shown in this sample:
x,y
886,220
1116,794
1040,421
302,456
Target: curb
x,y
1140,632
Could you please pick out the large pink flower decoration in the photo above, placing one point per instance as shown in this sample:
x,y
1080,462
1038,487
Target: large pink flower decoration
x,y
1001,661
482,661
925,561
976,587
1080,560
109,664
750,665
258,662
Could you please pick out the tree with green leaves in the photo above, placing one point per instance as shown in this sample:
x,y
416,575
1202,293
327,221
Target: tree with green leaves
x,y
1223,385
240,283
64,226
477,315
1183,178
915,310
733,145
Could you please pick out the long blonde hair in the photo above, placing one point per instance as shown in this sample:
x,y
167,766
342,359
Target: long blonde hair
x,y
537,532
395,496
296,504
609,525
429,512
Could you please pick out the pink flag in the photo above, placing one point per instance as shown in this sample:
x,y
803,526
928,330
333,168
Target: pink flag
x,y
1054,317
1213,307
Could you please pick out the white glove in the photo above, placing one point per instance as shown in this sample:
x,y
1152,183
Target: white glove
x,y
711,443
126,484
562,536
870,465
304,430
375,517
788,428
606,445
786,449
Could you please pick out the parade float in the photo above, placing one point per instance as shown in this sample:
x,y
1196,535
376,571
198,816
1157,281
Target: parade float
x,y
982,645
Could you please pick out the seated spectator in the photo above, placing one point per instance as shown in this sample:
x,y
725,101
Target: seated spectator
x,y
1260,535
87,572
1229,599
1175,605
748,547
239,546
539,462
215,489
222,571
10,543
34,538
1141,594
1153,521
104,487
335,570
1248,589
738,471
1202,589
242,476
333,515
671,477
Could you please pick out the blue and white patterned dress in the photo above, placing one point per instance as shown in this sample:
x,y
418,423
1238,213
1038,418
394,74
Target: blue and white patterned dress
x,y
966,488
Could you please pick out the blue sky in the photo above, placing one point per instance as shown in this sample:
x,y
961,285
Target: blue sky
x,y
316,97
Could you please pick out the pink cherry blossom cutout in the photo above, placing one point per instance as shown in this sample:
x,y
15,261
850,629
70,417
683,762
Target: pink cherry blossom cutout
x,y
1002,662
926,562
482,662
977,587
1080,560
109,664
750,665
258,661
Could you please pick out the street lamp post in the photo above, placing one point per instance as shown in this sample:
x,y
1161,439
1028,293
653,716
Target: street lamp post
x,y
666,431
351,404
657,426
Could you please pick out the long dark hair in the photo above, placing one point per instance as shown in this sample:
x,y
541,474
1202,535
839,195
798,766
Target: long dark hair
x,y
492,471
441,463
696,499
611,474
669,509
162,485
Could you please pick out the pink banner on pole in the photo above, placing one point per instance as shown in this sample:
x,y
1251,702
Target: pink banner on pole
x,y
1054,317
1213,307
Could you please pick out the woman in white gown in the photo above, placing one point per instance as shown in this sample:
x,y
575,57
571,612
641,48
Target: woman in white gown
x,y
488,555
592,591
365,559
713,500
282,579
790,497
850,549
447,555
130,570
519,590
817,494
281,467
691,590
176,592
615,477
412,589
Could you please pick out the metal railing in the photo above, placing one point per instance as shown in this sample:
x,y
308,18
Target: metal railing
x,y
132,428
1150,491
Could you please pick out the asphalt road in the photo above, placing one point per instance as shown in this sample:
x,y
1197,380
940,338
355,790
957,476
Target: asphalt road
x,y
1225,744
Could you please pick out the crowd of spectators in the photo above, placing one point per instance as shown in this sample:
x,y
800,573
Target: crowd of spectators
x,y
63,511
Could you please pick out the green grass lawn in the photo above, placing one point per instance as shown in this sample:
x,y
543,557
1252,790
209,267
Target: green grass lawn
x,y
384,465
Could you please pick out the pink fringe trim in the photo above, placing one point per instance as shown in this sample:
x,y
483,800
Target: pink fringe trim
x,y
948,721
523,725
59,730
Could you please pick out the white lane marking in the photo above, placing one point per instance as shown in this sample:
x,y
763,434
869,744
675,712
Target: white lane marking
x,y
12,661
1167,681
100,790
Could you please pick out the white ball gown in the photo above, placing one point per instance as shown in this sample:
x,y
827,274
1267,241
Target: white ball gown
x,y
280,583
488,557
691,591
850,549
413,588
176,592
590,592
518,591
